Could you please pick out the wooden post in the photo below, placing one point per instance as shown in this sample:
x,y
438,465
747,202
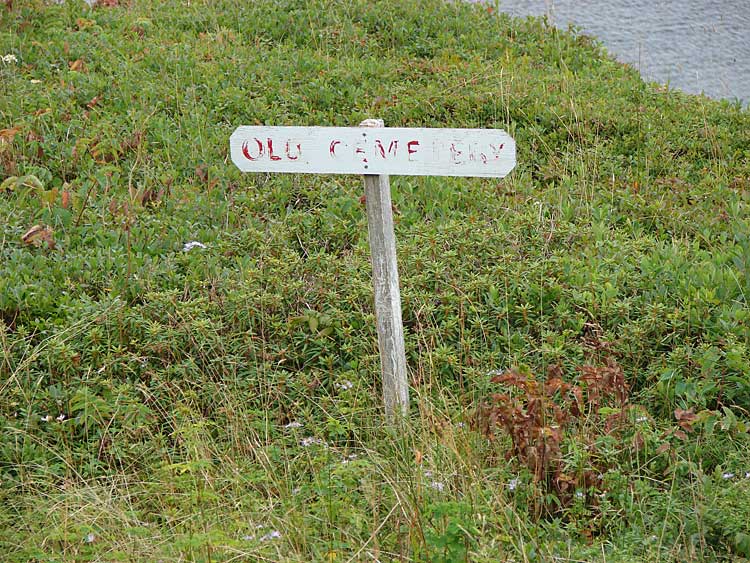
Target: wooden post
x,y
387,295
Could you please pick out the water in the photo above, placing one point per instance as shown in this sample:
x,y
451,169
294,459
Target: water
x,y
699,46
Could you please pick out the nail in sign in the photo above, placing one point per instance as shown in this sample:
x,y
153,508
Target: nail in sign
x,y
381,151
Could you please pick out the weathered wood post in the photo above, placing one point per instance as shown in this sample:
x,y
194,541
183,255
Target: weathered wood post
x,y
386,288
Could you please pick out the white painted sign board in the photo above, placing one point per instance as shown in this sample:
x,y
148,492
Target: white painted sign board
x,y
379,151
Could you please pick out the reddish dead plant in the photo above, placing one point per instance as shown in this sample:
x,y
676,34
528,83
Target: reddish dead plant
x,y
538,415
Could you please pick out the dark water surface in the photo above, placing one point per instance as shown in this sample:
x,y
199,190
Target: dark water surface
x,y
694,45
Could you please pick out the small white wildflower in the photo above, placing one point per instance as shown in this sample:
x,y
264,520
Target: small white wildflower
x,y
579,494
460,425
427,473
513,483
641,419
90,538
349,459
296,491
36,81
46,418
747,474
344,385
494,372
310,440
192,244
293,424
9,59
727,475
437,485
60,418
275,534
248,538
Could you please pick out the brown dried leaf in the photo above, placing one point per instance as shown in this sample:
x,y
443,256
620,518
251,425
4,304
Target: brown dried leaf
x,y
685,418
77,65
687,415
614,421
576,407
200,171
133,142
554,385
681,435
663,448
150,196
7,135
512,378
33,136
37,235
638,442
555,371
83,23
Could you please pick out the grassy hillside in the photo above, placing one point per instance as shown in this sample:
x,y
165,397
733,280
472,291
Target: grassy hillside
x,y
577,334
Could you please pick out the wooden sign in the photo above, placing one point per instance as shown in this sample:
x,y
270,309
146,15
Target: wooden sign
x,y
380,151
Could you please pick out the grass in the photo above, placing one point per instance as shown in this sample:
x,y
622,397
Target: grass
x,y
223,403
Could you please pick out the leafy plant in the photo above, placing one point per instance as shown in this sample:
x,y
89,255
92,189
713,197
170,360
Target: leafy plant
x,y
543,418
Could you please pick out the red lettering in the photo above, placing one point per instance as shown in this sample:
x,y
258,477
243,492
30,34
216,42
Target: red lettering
x,y
496,150
246,150
360,150
299,151
392,148
270,151
455,153
332,148
411,148
380,147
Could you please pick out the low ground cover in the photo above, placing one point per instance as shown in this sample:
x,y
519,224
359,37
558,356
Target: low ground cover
x,y
577,333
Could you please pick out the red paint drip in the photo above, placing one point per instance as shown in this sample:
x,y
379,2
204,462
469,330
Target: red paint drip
x,y
360,150
455,153
496,151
